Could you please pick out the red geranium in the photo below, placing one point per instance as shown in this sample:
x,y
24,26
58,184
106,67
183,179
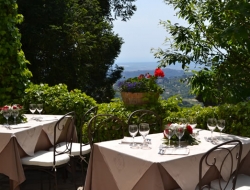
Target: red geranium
x,y
159,73
189,129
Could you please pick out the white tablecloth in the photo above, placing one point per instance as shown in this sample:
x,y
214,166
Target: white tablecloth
x,y
127,168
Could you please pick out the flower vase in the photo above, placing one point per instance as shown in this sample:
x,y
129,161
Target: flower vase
x,y
139,98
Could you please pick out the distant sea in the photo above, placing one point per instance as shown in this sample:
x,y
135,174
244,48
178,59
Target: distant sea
x,y
136,66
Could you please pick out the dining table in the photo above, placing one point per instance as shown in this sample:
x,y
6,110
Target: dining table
x,y
23,139
115,165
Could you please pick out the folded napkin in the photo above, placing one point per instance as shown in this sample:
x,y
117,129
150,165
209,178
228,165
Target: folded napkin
x,y
45,118
128,140
180,151
21,125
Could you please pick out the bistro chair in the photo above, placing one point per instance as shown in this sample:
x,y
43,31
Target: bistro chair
x,y
103,127
146,116
51,160
226,157
79,151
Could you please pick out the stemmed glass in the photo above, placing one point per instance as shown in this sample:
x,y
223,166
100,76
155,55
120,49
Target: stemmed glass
x,y
32,108
182,121
221,126
179,132
15,113
192,122
211,124
133,130
169,132
39,108
144,131
6,113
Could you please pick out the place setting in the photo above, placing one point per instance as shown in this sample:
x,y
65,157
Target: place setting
x,y
138,142
177,129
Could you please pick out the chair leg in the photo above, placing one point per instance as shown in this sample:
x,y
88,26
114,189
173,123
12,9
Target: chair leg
x,y
55,177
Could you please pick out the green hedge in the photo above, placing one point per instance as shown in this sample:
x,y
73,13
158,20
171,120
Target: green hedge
x,y
236,116
58,100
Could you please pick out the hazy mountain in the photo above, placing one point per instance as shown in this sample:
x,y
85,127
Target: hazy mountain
x,y
169,73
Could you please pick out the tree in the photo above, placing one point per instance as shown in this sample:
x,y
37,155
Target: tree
x,y
217,36
14,75
70,42
113,9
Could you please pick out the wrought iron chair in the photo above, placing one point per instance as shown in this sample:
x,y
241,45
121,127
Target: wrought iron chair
x,y
79,151
103,127
146,116
51,160
226,157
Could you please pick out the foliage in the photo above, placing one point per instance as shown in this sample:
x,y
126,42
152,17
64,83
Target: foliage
x,y
14,74
58,100
123,9
70,42
143,83
216,36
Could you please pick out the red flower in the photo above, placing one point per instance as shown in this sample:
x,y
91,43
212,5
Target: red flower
x,y
141,76
148,75
159,73
189,129
14,107
5,108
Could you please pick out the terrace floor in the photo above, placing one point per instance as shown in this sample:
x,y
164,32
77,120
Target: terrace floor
x,y
33,181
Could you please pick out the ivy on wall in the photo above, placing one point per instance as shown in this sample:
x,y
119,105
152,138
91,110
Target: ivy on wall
x,y
14,75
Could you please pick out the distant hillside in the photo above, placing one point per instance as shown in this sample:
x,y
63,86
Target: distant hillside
x,y
169,73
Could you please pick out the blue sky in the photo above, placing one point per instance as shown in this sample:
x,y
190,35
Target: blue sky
x,y
143,31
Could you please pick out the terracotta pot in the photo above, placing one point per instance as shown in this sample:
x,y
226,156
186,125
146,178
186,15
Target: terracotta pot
x,y
139,98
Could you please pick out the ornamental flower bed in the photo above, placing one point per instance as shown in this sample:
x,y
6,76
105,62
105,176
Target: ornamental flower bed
x,y
187,137
14,110
142,89
142,83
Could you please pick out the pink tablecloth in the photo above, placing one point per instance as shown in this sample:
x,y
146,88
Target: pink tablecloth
x,y
114,165
22,140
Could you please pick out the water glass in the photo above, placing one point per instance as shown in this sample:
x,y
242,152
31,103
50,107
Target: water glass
x,y
221,125
133,130
191,121
211,124
169,131
32,108
6,111
15,113
179,132
39,108
144,131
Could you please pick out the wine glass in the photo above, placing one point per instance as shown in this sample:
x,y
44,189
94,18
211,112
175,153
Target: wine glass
x,y
182,121
211,124
6,113
144,130
221,126
179,131
32,108
15,113
133,130
39,108
192,122
169,132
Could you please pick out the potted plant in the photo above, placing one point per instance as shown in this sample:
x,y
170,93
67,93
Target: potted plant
x,y
142,89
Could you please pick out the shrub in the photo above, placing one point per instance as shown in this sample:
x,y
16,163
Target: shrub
x,y
58,100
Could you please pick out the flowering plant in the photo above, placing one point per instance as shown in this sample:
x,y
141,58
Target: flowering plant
x,y
142,83
15,110
187,137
